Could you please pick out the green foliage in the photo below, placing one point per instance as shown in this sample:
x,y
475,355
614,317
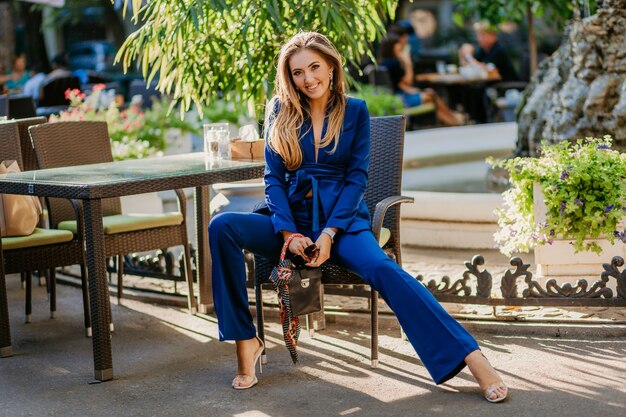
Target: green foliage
x,y
203,49
379,101
220,110
584,193
498,11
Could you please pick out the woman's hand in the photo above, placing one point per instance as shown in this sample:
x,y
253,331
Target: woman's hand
x,y
324,242
298,244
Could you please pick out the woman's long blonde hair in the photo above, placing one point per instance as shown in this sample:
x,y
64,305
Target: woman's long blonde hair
x,y
293,107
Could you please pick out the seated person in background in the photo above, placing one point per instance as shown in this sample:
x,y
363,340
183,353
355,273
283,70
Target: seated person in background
x,y
33,85
411,44
59,68
490,51
15,79
400,69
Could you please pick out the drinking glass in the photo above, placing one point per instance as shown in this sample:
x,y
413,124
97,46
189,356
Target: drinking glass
x,y
216,141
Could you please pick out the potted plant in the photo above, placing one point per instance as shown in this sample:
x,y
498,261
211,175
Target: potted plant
x,y
567,204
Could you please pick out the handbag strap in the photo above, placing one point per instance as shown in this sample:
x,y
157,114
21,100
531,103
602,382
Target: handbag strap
x,y
291,237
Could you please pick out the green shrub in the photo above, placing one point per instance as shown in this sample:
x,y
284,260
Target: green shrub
x,y
379,101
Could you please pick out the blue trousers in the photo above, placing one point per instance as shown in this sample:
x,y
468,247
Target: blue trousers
x,y
439,340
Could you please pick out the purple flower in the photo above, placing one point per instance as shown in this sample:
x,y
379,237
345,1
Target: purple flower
x,y
603,147
609,208
578,202
534,236
620,235
616,233
564,175
551,232
562,209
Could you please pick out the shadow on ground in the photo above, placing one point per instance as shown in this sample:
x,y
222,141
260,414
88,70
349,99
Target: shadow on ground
x,y
169,363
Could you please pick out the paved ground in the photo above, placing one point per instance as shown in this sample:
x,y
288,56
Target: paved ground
x,y
169,363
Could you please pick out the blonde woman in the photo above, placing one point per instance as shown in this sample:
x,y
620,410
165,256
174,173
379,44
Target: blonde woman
x,y
314,131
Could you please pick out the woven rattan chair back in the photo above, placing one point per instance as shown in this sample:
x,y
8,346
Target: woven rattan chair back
x,y
26,145
384,180
4,105
10,143
21,107
67,144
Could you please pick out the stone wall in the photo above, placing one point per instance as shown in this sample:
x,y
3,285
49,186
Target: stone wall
x,y
580,90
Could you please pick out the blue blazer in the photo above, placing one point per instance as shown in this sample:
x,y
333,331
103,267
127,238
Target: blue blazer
x,y
337,181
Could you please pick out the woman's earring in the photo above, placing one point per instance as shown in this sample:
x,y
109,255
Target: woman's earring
x,y
332,84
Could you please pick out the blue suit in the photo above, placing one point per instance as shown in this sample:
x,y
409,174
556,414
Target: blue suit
x,y
337,183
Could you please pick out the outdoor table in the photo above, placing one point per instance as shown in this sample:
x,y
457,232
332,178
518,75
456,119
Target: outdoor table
x,y
92,183
456,89
455,79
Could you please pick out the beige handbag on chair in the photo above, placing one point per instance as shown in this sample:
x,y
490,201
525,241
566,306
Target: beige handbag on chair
x,y
19,214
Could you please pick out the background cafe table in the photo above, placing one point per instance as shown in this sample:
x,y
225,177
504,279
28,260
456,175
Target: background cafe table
x,y
455,79
92,183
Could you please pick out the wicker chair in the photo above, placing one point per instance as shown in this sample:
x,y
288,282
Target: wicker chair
x,y
4,105
21,107
43,250
78,143
383,198
28,153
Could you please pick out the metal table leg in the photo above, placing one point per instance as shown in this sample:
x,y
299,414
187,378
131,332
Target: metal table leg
x,y
98,290
203,258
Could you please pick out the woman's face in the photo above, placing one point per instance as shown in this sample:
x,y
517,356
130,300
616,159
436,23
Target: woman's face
x,y
20,63
311,74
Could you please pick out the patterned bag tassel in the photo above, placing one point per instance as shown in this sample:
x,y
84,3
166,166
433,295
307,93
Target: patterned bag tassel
x,y
280,277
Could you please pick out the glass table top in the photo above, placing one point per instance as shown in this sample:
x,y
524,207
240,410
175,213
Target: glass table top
x,y
129,170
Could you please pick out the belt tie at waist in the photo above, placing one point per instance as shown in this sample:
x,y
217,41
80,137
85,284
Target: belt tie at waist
x,y
306,179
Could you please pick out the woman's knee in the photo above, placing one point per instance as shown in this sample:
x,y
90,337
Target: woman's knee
x,y
221,222
378,269
427,96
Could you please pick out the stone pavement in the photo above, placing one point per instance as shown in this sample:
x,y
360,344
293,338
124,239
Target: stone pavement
x,y
167,362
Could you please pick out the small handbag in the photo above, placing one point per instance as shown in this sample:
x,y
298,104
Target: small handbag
x,y
19,214
299,292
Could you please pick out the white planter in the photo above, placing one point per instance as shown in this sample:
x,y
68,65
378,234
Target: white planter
x,y
560,260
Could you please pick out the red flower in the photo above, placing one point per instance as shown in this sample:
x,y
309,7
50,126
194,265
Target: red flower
x,y
98,87
67,93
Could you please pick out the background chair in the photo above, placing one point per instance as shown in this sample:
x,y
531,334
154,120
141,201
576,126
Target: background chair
x,y
29,161
4,105
79,143
21,107
383,200
53,92
42,250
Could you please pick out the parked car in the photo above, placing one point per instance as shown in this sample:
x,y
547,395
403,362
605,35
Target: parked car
x,y
92,55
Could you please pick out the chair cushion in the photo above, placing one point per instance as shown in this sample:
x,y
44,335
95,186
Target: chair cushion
x,y
417,110
39,237
385,235
121,223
